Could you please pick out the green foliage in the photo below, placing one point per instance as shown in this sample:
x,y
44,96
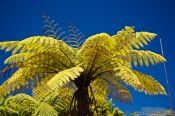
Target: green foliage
x,y
5,111
22,103
60,100
47,64
45,110
64,77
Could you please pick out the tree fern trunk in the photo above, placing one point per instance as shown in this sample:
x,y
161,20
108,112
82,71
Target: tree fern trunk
x,y
83,102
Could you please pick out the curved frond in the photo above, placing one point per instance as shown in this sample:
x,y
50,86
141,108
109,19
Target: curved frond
x,y
145,37
64,77
23,77
99,86
52,29
45,110
140,56
32,44
76,38
113,88
8,45
22,103
41,89
96,52
117,91
127,38
60,100
149,84
39,64
5,111
16,58
125,74
12,83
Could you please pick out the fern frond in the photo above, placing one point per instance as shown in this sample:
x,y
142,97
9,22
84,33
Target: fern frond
x,y
29,42
16,58
60,100
145,37
45,62
116,90
146,57
95,51
126,74
45,110
109,85
41,88
12,83
149,84
52,29
128,38
8,45
23,77
64,76
22,103
76,37
5,111
99,86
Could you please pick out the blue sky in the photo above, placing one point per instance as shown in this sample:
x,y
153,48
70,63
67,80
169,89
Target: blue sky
x,y
22,18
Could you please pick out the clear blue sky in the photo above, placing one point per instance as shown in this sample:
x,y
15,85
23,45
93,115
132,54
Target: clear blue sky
x,y
22,18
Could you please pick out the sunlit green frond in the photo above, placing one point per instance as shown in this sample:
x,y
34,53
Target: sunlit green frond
x,y
145,37
16,58
5,111
99,86
103,39
22,77
149,84
116,90
125,74
124,39
41,88
36,64
60,100
64,77
127,38
31,43
22,103
2,99
96,51
14,82
140,56
40,91
8,45
45,110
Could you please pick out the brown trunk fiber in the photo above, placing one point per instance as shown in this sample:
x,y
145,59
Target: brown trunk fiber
x,y
83,102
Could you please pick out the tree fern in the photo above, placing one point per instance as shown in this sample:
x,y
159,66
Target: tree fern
x,y
45,63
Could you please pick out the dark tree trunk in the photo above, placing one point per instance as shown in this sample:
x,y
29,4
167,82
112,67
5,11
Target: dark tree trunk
x,y
82,98
83,102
